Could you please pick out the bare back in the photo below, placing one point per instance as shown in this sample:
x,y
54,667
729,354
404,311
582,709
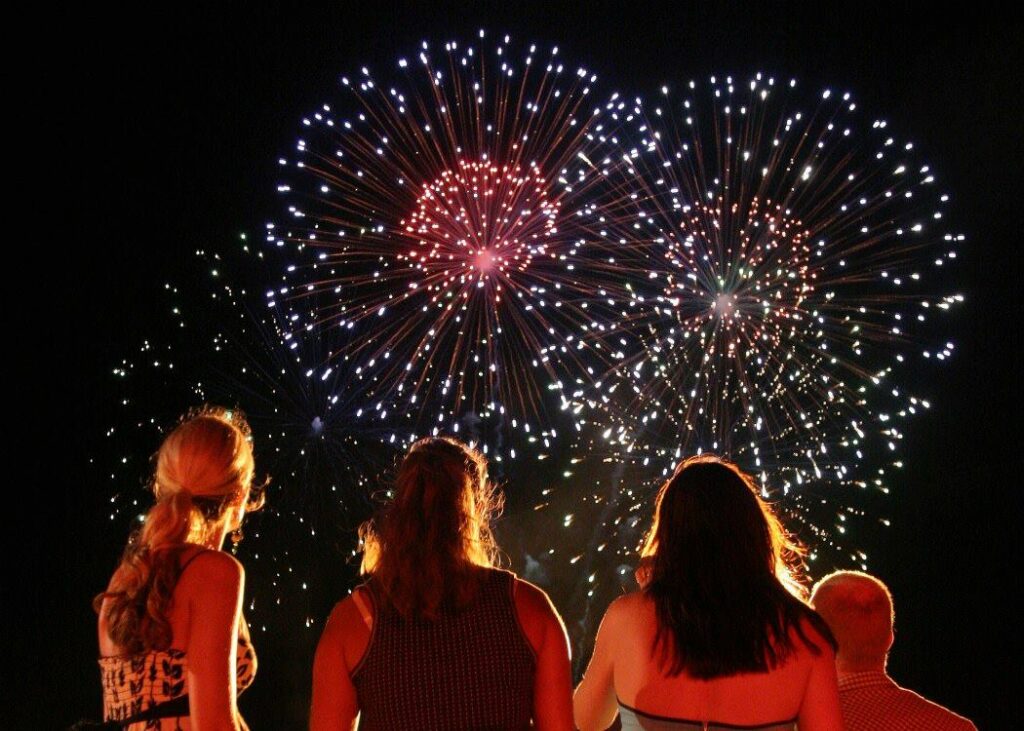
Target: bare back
x,y
177,614
747,699
209,679
624,669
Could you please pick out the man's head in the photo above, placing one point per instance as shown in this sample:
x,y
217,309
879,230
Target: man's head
x,y
858,609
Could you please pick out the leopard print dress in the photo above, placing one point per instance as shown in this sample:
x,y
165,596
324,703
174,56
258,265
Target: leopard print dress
x,y
135,683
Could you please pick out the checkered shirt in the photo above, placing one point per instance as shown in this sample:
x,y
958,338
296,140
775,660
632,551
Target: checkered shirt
x,y
872,701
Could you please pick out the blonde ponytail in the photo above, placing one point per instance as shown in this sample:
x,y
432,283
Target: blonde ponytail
x,y
203,467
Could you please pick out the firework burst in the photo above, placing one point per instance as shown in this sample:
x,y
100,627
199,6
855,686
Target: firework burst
x,y
457,225
479,247
796,258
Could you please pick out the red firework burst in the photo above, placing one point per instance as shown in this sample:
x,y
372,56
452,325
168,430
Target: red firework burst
x,y
478,225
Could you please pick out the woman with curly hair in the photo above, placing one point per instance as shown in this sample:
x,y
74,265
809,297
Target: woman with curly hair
x,y
174,649
437,638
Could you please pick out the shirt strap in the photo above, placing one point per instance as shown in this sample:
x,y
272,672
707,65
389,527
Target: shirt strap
x,y
193,557
364,610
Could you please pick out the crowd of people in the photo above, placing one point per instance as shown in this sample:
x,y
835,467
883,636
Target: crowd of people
x,y
722,633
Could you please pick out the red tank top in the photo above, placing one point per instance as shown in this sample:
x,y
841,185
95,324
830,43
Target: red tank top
x,y
471,669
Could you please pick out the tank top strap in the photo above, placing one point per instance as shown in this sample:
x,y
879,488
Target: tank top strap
x,y
372,595
190,559
507,579
363,598
504,583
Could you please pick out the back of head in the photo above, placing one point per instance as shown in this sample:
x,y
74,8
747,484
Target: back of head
x,y
858,609
724,575
204,469
424,549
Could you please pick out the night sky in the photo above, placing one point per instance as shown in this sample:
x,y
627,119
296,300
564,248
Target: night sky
x,y
159,135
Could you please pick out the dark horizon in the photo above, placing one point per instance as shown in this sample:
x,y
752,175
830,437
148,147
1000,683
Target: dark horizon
x,y
164,139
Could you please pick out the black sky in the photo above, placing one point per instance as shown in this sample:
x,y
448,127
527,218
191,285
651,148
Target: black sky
x,y
159,135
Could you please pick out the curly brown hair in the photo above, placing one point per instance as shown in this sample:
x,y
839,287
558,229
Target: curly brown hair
x,y
425,547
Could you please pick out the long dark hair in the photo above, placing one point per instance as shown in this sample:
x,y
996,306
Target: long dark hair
x,y
725,577
424,550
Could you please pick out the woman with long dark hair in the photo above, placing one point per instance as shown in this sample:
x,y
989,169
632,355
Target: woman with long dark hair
x,y
719,635
437,638
174,649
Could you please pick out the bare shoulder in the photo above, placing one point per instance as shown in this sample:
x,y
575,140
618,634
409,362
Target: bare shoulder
x,y
816,638
346,635
216,563
213,571
344,614
626,624
632,602
347,623
530,594
628,608
531,598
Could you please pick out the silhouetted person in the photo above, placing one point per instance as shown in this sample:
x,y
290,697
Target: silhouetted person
x,y
718,636
859,610
437,638
174,648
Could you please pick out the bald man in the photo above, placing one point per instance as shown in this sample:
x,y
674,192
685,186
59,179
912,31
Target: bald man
x,y
858,609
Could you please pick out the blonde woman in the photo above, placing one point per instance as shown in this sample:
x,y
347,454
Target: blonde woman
x,y
174,649
437,638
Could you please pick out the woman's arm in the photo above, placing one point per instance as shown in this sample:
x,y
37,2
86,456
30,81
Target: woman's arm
x,y
335,707
819,710
216,582
594,705
552,691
